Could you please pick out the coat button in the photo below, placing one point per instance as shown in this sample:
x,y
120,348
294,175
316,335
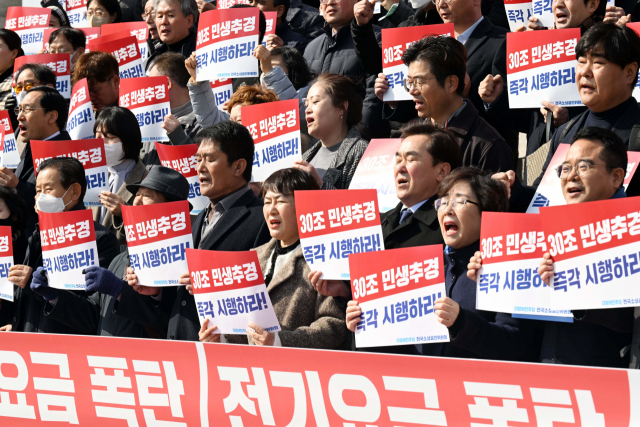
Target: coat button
x,y
171,337
184,303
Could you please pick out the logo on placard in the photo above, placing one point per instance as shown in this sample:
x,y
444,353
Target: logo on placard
x,y
540,201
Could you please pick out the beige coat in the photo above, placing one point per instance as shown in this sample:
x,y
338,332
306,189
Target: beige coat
x,y
307,319
114,224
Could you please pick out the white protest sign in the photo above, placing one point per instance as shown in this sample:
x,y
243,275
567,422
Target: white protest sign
x,y
10,154
29,23
81,115
6,262
148,99
230,292
157,237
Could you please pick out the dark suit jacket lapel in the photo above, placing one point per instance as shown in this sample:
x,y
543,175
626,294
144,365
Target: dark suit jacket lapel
x,y
478,37
390,220
426,213
228,220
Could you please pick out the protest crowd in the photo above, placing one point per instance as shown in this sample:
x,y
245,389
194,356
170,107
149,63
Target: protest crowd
x,y
243,121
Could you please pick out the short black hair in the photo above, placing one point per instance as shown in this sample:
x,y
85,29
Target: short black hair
x,y
299,73
70,170
51,100
112,6
12,40
74,36
446,57
17,207
491,193
44,74
233,139
443,145
614,150
286,181
286,4
617,44
262,21
120,122
171,64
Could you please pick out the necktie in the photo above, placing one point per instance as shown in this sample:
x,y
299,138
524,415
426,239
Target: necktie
x,y
405,214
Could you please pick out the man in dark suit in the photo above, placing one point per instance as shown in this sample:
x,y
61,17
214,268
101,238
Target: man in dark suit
x,y
63,182
233,220
425,157
42,116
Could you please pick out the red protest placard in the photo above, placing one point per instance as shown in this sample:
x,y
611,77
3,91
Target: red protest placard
x,y
396,40
529,50
22,18
91,33
81,114
59,63
76,11
126,52
269,121
6,261
66,229
6,243
90,152
272,22
138,29
225,24
217,271
154,223
380,274
508,237
323,212
144,92
226,4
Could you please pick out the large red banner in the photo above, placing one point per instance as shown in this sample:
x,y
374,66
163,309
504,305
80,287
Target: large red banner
x,y
49,380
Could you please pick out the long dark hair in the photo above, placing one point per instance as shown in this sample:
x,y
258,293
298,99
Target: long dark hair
x,y
122,123
13,40
299,73
17,207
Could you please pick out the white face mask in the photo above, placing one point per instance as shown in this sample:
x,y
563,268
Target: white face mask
x,y
419,4
51,204
114,153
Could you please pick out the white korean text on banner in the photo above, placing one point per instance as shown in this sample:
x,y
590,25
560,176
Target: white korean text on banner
x,y
394,42
81,115
76,10
89,152
275,128
512,245
6,262
225,44
182,383
542,9
397,290
29,23
541,66
595,247
10,153
138,29
1,149
226,4
182,158
518,13
148,99
126,52
376,171
229,290
157,237
334,224
549,192
222,90
68,247
272,19
58,63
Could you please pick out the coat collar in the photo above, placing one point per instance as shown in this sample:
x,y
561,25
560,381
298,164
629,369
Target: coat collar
x,y
353,136
286,271
425,214
461,124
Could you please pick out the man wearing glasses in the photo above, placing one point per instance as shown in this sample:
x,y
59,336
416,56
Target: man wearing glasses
x,y
102,74
437,70
42,116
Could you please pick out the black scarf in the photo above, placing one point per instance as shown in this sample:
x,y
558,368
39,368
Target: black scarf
x,y
278,250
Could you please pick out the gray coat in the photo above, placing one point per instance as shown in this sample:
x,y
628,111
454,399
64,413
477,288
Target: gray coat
x,y
307,319
344,164
277,81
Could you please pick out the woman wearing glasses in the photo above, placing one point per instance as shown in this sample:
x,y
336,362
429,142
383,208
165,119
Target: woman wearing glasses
x,y
464,195
100,12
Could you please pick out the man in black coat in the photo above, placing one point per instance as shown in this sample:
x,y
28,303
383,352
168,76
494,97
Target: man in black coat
x,y
484,42
334,52
63,181
177,30
606,89
42,116
233,220
148,310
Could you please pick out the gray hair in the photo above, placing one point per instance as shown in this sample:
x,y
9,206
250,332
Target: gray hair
x,y
187,7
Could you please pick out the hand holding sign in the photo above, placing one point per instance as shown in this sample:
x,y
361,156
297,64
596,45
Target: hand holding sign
x,y
273,41
264,56
112,202
8,178
132,280
546,268
490,88
260,336
98,279
207,334
474,266
329,288
447,311
353,315
40,285
560,114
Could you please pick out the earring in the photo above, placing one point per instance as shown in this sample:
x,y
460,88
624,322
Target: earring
x,y
340,117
